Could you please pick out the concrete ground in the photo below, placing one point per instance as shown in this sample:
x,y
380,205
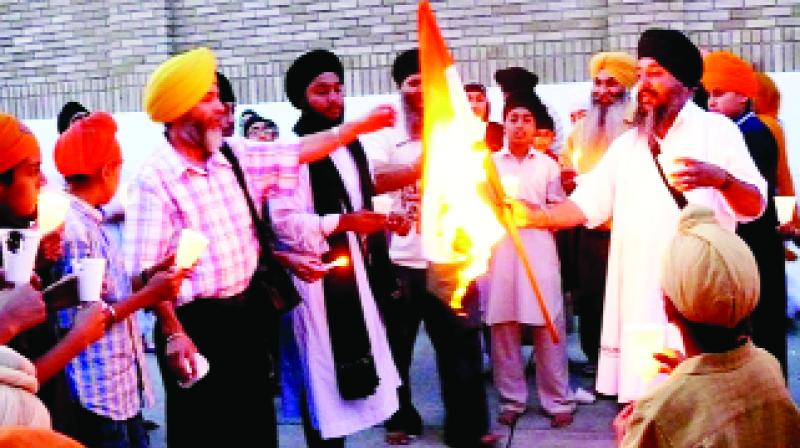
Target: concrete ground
x,y
591,428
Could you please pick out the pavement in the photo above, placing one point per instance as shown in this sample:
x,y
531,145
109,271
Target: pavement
x,y
590,429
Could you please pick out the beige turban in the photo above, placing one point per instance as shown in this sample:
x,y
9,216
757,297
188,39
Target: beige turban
x,y
709,273
620,65
18,404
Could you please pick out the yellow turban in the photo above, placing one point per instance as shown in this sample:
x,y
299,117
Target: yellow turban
x,y
725,71
178,84
620,65
709,273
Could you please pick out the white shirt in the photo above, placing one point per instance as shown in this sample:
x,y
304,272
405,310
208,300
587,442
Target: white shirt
x,y
625,185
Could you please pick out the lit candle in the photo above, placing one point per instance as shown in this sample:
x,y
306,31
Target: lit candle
x,y
190,245
340,262
785,206
645,340
52,209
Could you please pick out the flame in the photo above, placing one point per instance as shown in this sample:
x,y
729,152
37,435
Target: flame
x,y
52,209
339,262
459,226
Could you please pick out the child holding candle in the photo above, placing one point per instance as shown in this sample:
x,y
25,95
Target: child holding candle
x,y
512,306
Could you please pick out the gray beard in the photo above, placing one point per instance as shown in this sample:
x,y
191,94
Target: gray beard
x,y
603,124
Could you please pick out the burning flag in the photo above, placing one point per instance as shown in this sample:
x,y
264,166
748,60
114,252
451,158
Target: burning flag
x,y
459,225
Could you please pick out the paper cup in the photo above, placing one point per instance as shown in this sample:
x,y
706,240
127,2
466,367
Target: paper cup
x,y
52,209
644,341
510,186
190,245
19,253
382,204
90,278
202,370
785,206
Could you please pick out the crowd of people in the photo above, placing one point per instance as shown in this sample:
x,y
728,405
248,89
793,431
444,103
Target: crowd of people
x,y
655,210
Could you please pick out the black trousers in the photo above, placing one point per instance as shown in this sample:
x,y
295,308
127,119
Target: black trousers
x,y
591,264
232,405
458,359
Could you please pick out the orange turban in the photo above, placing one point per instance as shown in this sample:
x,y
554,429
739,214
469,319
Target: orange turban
x,y
87,145
620,65
768,100
17,143
179,83
725,71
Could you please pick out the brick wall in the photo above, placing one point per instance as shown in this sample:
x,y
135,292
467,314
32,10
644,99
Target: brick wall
x,y
100,52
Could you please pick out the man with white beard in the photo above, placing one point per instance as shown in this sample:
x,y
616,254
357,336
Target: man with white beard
x,y
708,164
613,74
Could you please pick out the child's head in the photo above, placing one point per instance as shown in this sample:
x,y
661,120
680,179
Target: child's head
x,y
89,157
20,170
545,131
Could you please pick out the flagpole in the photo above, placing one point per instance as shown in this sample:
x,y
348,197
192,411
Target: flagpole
x,y
508,221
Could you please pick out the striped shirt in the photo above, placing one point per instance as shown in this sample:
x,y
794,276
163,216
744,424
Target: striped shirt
x,y
110,377
171,193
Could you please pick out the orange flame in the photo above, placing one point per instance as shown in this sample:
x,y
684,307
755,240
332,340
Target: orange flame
x,y
458,224
339,262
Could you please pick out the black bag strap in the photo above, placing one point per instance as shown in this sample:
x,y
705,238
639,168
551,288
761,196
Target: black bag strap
x,y
655,150
264,232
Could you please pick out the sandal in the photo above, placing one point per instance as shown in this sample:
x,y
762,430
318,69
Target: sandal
x,y
509,417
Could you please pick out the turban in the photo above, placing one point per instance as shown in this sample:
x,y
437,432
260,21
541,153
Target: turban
x,y
17,143
514,79
255,118
19,404
226,94
768,99
178,84
405,65
305,69
67,112
673,51
22,437
729,73
526,100
620,65
475,87
87,145
708,272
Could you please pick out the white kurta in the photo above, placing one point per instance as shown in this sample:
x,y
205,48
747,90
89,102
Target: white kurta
x,y
511,298
625,185
298,225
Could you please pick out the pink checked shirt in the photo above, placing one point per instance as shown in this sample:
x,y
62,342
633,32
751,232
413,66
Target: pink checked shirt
x,y
170,194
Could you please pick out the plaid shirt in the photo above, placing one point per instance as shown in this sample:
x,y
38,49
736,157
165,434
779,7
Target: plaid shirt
x,y
171,193
110,377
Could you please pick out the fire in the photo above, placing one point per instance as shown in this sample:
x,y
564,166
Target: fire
x,y
340,262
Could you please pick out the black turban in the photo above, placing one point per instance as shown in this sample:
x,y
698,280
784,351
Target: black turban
x,y
514,79
303,71
526,100
405,65
673,51
67,112
255,118
225,89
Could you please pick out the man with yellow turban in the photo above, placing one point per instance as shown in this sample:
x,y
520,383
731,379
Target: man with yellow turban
x,y
613,74
193,181
731,84
727,391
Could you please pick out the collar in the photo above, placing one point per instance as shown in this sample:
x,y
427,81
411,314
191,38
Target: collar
x,y
739,121
178,165
707,363
505,152
687,111
86,209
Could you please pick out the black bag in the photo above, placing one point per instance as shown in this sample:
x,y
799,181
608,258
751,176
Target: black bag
x,y
270,280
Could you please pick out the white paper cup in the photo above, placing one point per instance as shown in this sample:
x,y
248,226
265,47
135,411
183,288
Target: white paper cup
x,y
19,253
90,278
644,341
190,246
382,204
785,206
52,209
202,370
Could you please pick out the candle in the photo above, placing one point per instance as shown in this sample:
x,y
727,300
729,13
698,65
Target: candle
x,y
190,245
339,262
785,206
52,209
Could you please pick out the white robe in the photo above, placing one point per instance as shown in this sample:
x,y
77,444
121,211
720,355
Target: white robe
x,y
625,185
511,298
297,225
